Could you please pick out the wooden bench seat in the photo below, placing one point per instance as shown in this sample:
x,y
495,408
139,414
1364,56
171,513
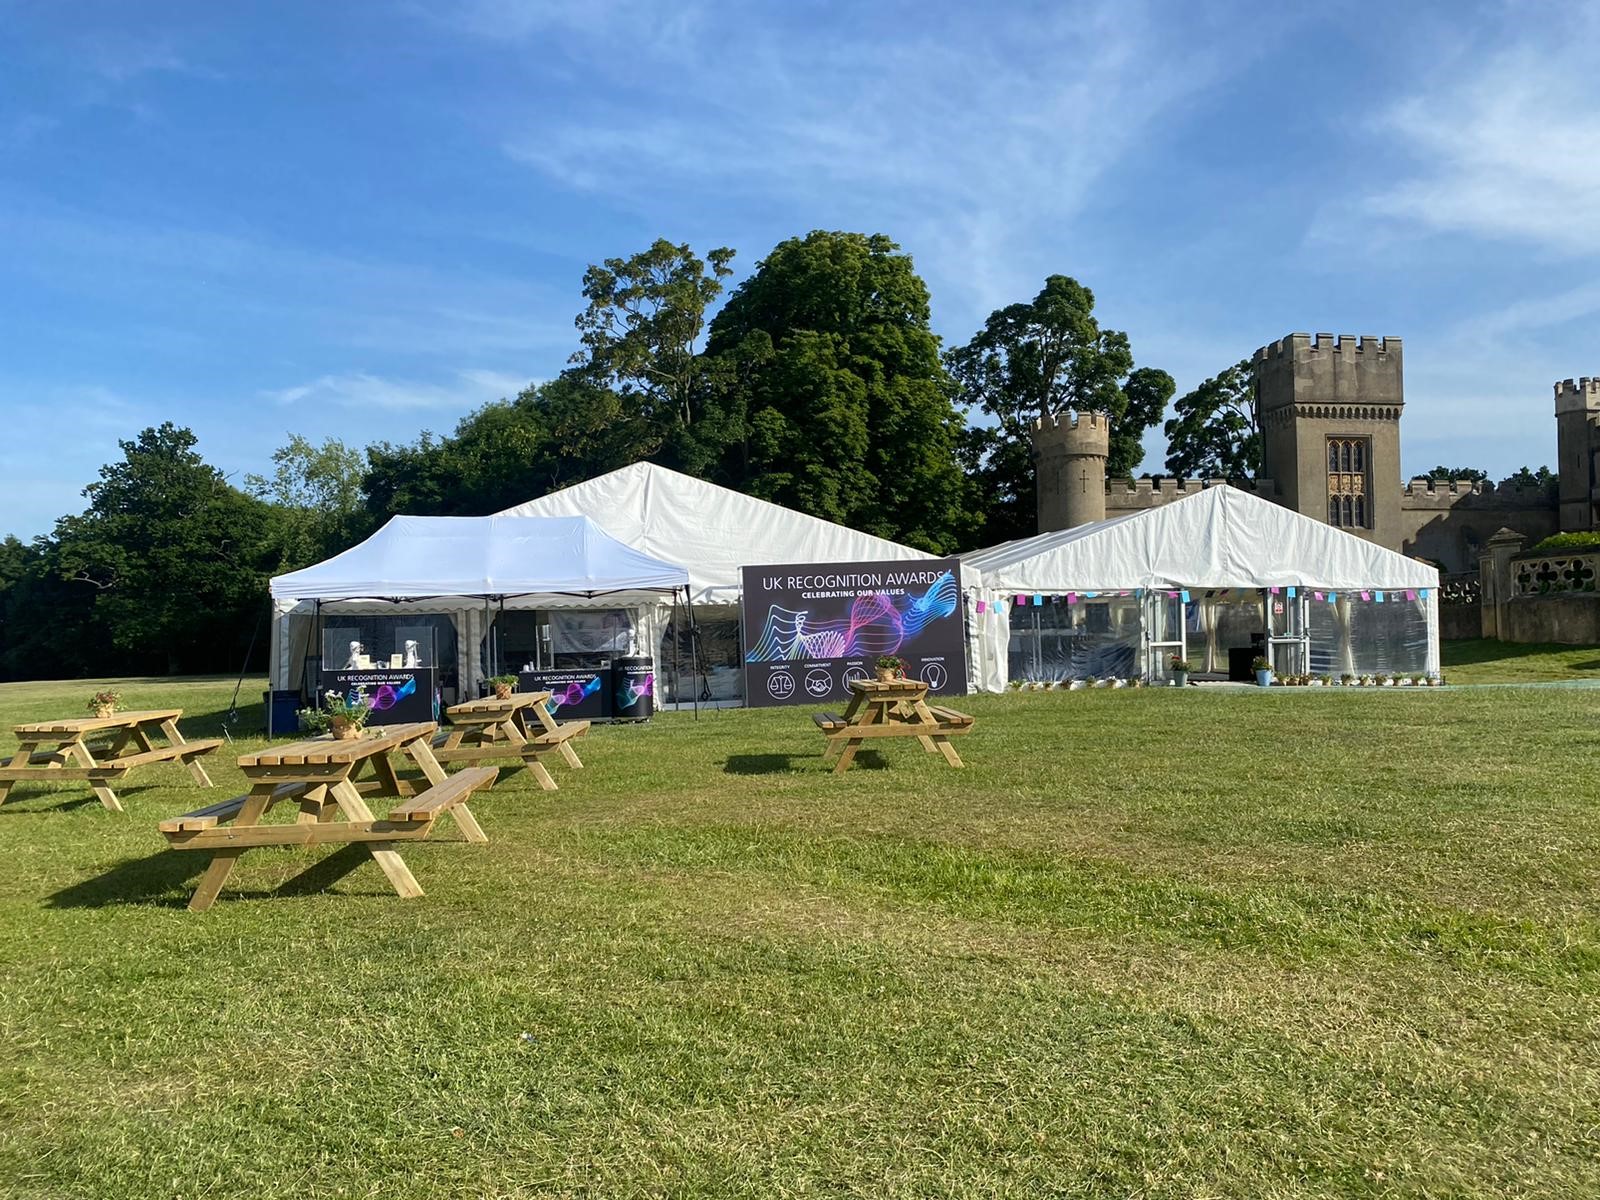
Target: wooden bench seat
x,y
828,722
551,738
950,716
208,817
442,797
183,753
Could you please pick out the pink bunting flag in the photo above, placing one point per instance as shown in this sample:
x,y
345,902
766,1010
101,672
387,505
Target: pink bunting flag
x,y
1318,595
1366,595
1411,593
1072,597
1274,591
1022,599
980,605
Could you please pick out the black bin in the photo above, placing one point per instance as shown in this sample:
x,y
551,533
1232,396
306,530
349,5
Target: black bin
x,y
633,689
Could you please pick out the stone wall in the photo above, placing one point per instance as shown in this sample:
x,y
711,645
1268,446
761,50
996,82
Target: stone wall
x,y
1539,597
1450,523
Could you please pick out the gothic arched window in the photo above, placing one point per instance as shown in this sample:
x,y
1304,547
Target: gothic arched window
x,y
1349,484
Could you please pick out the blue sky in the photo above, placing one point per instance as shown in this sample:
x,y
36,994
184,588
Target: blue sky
x,y
365,219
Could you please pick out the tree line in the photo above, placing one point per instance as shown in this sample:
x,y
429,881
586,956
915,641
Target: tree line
x,y
817,383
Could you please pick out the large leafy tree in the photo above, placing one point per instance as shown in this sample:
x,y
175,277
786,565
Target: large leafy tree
x,y
642,328
175,559
317,493
1044,357
832,393
1215,430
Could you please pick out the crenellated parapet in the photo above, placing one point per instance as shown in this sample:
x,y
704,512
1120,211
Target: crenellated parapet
x,y
1069,432
1069,456
1578,395
1302,344
1137,495
1423,494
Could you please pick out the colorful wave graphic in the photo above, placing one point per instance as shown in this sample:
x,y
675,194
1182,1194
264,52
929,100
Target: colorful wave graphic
x,y
385,696
876,624
573,693
635,690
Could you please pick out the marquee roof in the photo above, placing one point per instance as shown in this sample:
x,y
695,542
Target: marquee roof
x,y
1219,537
712,530
414,557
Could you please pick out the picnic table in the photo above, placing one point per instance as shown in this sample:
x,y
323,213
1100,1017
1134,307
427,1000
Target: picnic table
x,y
320,776
100,748
886,709
519,726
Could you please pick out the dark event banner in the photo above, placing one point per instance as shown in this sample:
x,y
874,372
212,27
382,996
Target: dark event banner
x,y
398,696
810,628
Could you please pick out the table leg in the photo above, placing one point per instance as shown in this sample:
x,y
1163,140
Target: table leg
x,y
20,759
391,784
176,738
315,807
422,754
383,853
468,824
223,861
950,755
107,796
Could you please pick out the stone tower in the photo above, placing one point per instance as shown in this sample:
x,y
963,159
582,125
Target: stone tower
x,y
1069,460
1577,440
1330,429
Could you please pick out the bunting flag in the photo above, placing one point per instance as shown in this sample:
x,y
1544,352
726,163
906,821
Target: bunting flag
x,y
1021,600
1333,597
1318,595
1072,597
1291,593
1411,593
1366,595
1274,591
1037,599
1184,596
1378,596
1425,593
1090,595
980,605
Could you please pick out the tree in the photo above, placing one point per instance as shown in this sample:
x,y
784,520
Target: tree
x,y
175,558
1215,430
832,396
317,490
642,328
1469,474
1544,477
1044,357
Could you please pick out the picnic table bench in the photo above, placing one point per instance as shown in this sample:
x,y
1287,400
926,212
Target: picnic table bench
x,y
496,728
319,775
100,746
887,709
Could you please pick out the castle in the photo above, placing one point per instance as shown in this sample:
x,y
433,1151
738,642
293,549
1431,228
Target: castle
x,y
1329,411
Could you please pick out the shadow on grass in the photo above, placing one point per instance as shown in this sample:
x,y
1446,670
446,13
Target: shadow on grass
x,y
19,806
163,879
167,879
783,764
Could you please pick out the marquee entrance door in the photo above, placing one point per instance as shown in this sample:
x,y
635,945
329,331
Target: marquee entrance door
x,y
1164,628
1288,632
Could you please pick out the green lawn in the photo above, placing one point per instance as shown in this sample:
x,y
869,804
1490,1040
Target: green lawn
x,y
1149,943
1484,661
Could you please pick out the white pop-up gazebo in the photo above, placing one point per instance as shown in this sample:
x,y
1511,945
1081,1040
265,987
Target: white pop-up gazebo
x,y
1198,578
461,568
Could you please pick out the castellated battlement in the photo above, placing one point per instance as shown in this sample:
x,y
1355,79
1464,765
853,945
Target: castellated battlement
x,y
1068,432
1134,495
1578,395
1423,494
1300,344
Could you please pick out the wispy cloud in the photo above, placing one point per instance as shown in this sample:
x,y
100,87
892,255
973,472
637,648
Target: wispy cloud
x,y
976,136
1504,143
361,389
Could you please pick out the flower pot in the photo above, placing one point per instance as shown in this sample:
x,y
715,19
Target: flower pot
x,y
1180,679
1264,677
104,710
502,691
888,675
344,729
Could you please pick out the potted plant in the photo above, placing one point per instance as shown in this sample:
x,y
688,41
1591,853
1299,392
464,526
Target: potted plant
x,y
1180,668
890,667
503,685
104,703
347,714
1262,666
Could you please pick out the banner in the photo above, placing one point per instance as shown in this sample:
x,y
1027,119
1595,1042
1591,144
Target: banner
x,y
398,696
575,694
809,628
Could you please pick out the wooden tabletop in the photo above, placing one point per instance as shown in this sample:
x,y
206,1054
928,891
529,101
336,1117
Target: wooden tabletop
x,y
888,689
119,720
328,749
493,704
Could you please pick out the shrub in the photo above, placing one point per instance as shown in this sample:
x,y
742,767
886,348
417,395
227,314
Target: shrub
x,y
1584,540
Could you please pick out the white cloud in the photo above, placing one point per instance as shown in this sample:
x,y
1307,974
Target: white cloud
x,y
360,389
1506,144
976,136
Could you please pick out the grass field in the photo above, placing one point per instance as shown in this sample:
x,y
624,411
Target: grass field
x,y
1152,944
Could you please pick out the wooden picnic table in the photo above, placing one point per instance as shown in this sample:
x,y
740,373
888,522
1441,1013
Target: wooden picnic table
x,y
496,728
100,747
886,709
320,776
